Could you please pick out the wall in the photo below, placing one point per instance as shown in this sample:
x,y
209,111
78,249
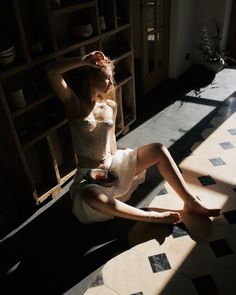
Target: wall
x,y
187,18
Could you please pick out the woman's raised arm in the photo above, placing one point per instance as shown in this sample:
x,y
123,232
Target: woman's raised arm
x,y
54,71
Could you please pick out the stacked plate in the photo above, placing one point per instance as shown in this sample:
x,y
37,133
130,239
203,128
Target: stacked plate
x,y
7,55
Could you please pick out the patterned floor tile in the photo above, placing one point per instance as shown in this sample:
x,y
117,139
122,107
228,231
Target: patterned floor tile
x,y
221,247
206,180
178,230
101,290
230,216
224,275
159,262
196,166
231,238
229,157
143,232
224,175
226,145
190,258
205,285
217,161
213,149
127,273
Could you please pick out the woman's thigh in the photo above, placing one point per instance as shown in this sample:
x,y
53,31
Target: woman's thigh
x,y
148,155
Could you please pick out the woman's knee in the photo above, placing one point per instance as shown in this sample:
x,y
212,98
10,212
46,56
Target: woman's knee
x,y
159,148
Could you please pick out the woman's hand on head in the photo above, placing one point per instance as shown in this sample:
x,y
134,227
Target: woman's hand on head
x,y
95,58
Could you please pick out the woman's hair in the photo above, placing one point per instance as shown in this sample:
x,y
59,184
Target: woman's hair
x,y
80,78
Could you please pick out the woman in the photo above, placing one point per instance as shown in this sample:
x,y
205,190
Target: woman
x,y
92,121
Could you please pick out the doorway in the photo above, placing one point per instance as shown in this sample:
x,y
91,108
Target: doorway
x,y
151,46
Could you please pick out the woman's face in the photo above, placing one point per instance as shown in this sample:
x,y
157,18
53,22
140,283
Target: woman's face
x,y
103,81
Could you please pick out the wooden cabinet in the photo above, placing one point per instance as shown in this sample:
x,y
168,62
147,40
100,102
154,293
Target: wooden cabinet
x,y
35,135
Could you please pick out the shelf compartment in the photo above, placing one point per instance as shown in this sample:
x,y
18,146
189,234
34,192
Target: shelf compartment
x,y
10,22
39,122
41,167
35,23
122,12
67,27
123,69
119,116
128,103
107,10
63,150
92,47
72,8
35,89
116,44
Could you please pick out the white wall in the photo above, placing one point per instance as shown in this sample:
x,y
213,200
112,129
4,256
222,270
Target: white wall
x,y
187,19
182,38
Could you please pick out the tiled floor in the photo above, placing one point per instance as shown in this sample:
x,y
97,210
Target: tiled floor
x,y
197,256
52,253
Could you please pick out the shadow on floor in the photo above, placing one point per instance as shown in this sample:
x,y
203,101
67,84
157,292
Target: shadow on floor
x,y
55,251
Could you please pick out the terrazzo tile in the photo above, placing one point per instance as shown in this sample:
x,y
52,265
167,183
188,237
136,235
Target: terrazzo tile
x,y
159,262
101,290
224,274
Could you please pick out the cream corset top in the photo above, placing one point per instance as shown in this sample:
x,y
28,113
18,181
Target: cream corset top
x,y
91,138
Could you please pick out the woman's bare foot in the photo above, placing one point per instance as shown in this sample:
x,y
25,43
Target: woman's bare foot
x,y
195,206
165,217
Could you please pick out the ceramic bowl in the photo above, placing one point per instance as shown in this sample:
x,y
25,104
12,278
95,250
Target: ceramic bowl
x,y
7,50
4,60
82,30
101,176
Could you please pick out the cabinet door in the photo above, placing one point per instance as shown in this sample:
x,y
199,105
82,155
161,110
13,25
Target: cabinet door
x,y
155,35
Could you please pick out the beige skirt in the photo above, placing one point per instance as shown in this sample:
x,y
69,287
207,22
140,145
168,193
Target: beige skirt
x,y
123,164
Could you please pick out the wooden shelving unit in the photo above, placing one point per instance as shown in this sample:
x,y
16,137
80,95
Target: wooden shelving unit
x,y
41,152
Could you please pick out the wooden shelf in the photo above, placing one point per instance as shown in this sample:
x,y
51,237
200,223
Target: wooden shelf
x,y
124,80
41,133
73,8
32,105
45,152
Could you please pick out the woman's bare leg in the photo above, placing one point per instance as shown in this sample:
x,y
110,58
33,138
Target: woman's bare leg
x,y
107,205
158,154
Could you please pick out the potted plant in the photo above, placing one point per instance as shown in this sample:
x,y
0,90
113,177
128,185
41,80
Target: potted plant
x,y
213,51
